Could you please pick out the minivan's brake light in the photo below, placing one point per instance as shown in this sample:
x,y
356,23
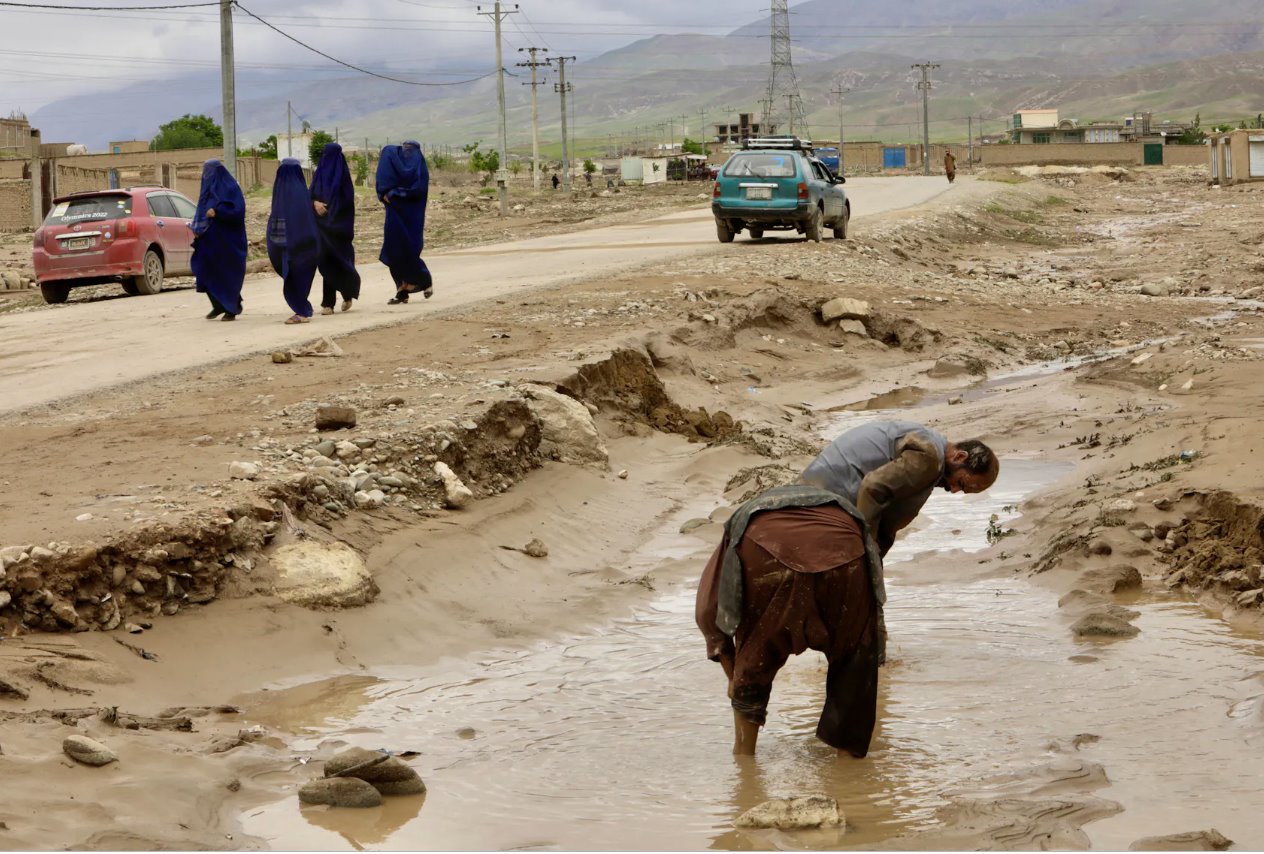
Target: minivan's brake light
x,y
803,190
715,190
123,228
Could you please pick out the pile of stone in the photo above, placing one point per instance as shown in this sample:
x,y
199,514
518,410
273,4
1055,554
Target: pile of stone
x,y
360,778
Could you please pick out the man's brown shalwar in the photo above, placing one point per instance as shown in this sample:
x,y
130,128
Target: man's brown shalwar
x,y
806,586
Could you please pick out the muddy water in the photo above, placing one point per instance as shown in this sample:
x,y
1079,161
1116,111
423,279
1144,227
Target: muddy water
x,y
618,737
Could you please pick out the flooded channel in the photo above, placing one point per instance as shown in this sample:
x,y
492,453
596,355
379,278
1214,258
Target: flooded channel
x,y
618,737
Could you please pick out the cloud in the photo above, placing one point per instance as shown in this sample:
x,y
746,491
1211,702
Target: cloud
x,y
50,55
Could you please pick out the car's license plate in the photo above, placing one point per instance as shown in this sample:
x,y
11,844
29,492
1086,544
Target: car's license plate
x,y
758,193
79,243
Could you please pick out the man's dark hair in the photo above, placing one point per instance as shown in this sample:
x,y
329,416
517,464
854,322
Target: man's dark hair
x,y
979,457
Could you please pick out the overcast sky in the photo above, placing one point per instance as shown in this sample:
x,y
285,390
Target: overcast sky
x,y
49,55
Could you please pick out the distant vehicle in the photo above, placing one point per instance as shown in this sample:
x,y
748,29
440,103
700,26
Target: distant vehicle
x,y
777,183
134,237
829,156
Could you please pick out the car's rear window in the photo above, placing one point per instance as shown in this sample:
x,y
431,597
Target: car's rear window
x,y
761,166
89,209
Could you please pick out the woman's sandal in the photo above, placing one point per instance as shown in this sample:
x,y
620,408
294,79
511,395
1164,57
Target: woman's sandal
x,y
298,319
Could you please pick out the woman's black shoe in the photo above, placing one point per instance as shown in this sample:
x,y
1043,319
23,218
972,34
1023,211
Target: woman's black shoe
x,y
215,312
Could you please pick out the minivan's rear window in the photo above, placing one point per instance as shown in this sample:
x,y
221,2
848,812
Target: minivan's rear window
x,y
89,209
761,166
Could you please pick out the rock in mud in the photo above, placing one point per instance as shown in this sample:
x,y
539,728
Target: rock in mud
x,y
322,575
844,308
1111,579
335,417
793,814
281,357
853,327
87,751
388,774
340,792
1154,289
1195,840
535,548
456,493
957,365
567,431
1101,624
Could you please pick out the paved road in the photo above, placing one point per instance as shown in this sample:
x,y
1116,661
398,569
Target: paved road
x,y
78,348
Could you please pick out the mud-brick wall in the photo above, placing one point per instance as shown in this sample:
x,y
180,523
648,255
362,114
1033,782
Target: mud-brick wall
x,y
13,167
71,179
1065,154
15,204
1186,155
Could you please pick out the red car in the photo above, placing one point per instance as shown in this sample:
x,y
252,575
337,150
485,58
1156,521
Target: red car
x,y
134,236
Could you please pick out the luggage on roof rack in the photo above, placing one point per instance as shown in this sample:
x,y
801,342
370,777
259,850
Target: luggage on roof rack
x,y
792,143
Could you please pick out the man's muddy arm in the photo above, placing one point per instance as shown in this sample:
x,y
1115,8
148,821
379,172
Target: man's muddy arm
x,y
916,467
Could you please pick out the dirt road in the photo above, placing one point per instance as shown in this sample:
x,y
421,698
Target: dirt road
x,y
79,348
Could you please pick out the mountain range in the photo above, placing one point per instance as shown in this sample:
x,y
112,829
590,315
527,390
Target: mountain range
x,y
1092,59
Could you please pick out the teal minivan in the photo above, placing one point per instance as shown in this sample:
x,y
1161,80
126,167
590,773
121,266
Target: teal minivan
x,y
777,183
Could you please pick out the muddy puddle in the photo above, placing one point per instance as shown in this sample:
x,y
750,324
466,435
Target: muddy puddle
x,y
618,737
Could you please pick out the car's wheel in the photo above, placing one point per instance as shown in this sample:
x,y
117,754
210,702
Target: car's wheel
x,y
149,282
756,233
812,229
840,227
55,292
723,231
129,288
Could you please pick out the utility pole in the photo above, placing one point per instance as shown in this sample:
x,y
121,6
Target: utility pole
x,y
289,130
563,87
535,113
924,86
839,92
228,85
497,15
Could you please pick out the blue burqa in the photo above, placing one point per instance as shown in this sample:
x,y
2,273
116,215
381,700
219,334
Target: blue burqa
x,y
331,184
219,242
293,241
403,184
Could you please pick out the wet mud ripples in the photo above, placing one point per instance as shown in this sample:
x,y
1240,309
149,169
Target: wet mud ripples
x,y
997,729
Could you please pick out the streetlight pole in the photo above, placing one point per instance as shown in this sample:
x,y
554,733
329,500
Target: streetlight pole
x,y
839,93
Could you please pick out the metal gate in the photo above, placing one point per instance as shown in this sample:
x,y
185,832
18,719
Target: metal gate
x,y
894,158
1153,154
1257,156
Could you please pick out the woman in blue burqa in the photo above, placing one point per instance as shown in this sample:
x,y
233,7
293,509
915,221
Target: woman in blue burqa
x,y
293,241
219,241
333,199
403,183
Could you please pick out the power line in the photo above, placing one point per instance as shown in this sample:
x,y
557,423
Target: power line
x,y
356,67
106,8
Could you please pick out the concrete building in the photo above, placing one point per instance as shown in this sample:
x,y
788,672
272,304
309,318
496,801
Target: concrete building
x,y
1100,132
1236,156
127,146
746,126
15,136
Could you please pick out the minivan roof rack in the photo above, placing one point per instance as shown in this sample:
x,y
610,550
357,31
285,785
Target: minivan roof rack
x,y
793,143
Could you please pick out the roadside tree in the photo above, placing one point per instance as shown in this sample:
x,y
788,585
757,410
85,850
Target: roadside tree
x,y
188,131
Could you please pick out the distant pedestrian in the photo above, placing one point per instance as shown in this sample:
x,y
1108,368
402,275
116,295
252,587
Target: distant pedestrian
x,y
588,178
950,166
293,239
219,241
556,180
333,199
403,185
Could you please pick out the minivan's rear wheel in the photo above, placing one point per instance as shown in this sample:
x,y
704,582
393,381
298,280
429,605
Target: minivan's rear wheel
x,y
55,292
812,230
149,282
723,231
756,233
840,227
